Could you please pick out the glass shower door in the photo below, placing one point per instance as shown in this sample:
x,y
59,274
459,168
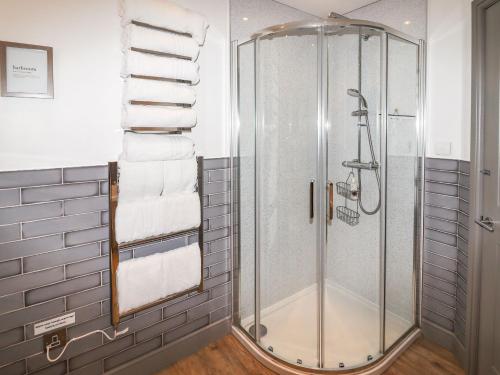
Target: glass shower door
x,y
286,195
352,324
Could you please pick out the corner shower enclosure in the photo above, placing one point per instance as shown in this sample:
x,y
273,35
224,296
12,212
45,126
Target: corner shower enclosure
x,y
327,146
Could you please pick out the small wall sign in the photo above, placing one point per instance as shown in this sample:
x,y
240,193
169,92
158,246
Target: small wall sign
x,y
26,70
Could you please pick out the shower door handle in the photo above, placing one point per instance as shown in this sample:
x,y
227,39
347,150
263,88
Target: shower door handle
x,y
311,200
330,201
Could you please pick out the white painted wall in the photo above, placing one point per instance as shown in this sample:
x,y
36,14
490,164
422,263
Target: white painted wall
x,y
448,78
81,125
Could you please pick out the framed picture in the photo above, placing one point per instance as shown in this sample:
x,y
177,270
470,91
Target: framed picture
x,y
26,70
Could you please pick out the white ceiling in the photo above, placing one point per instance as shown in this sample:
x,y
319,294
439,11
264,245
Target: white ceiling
x,y
322,8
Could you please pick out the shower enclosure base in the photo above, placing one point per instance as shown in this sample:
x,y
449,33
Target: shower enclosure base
x,y
351,333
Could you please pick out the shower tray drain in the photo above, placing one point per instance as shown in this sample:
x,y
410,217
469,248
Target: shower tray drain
x,y
263,330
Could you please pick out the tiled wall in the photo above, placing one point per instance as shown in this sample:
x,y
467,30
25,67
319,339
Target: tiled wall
x,y
445,246
54,259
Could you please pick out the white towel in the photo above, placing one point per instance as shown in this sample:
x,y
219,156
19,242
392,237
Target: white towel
x,y
146,64
157,91
169,273
151,147
159,41
164,14
180,176
152,217
157,116
140,180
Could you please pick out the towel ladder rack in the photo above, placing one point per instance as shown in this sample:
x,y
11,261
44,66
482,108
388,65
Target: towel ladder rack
x,y
149,26
153,78
115,247
159,53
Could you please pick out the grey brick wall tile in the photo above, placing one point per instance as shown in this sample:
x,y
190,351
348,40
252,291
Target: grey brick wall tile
x,y
101,352
216,163
437,319
134,352
11,232
441,164
441,225
17,249
217,280
31,314
11,302
30,280
441,249
57,369
448,299
218,199
18,368
220,290
215,211
10,197
87,267
219,268
80,174
449,177
439,307
87,297
220,314
221,244
83,205
61,257
215,187
216,234
445,238
62,289
440,261
95,368
219,222
104,217
440,200
30,178
10,268
440,284
439,188
84,345
214,258
186,329
185,304
142,321
59,192
85,236
101,322
161,327
442,213
215,175
16,352
207,307
29,212
11,337
60,224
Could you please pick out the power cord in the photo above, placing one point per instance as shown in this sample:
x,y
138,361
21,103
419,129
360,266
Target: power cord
x,y
50,346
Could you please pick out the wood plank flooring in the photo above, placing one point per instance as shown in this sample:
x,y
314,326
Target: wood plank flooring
x,y
228,357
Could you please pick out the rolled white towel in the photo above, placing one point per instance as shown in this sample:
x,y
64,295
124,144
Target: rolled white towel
x,y
146,64
157,116
180,176
160,147
159,41
152,217
170,272
167,15
139,180
157,91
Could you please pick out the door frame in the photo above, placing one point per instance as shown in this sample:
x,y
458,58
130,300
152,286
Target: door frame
x,y
479,8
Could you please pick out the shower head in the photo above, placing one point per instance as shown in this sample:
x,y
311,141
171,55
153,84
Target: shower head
x,y
356,94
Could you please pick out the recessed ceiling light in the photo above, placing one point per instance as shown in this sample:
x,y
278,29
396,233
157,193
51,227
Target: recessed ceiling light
x,y
407,22
245,18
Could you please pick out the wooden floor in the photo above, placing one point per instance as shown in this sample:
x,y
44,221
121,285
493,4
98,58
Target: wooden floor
x,y
228,357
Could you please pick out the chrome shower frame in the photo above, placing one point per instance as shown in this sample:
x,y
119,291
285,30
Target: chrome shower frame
x,y
390,354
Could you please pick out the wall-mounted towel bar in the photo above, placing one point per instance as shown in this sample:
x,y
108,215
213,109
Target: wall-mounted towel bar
x,y
160,28
115,247
164,54
161,79
164,104
159,130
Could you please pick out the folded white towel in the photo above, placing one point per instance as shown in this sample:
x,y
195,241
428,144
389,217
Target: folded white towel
x,y
159,41
140,180
180,176
146,64
170,273
151,147
164,14
152,217
157,91
157,116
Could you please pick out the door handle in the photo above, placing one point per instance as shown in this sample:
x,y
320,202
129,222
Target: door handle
x,y
311,200
485,223
330,201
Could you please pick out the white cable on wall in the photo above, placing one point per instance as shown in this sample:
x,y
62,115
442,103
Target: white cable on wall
x,y
116,334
